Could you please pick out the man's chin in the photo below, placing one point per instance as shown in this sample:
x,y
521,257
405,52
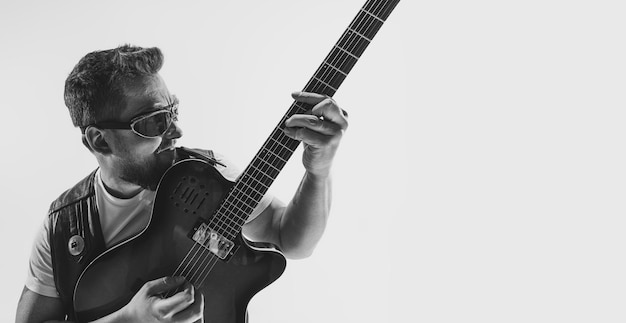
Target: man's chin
x,y
149,175
156,179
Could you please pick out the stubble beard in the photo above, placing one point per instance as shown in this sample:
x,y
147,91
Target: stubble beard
x,y
146,173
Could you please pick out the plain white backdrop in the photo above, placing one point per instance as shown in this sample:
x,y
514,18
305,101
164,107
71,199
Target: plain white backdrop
x,y
482,178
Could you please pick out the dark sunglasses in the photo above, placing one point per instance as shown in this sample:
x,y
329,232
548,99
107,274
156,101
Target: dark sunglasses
x,y
149,125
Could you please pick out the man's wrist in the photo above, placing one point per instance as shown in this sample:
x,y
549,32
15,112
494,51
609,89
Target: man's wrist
x,y
317,177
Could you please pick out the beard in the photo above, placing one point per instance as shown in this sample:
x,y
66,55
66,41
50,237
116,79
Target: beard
x,y
146,173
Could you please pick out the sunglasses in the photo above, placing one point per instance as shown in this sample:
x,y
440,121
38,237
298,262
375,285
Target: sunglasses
x,y
149,125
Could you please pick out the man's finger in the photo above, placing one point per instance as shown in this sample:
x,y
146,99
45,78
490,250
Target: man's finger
x,y
329,110
309,97
177,302
311,137
162,285
192,313
324,106
313,123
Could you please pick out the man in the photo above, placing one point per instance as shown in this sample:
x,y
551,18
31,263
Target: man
x,y
128,119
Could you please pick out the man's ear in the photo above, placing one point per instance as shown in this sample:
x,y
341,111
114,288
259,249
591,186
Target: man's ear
x,y
94,140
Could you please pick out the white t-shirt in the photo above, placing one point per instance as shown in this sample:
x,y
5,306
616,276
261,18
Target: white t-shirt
x,y
119,220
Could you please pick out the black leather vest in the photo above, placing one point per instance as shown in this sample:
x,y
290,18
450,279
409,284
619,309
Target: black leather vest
x,y
75,234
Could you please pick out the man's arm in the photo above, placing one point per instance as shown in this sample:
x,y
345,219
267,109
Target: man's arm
x,y
297,228
147,305
33,307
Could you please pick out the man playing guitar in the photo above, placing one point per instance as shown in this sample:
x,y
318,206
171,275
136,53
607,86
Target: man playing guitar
x,y
128,120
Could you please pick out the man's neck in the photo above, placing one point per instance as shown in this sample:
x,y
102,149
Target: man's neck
x,y
118,187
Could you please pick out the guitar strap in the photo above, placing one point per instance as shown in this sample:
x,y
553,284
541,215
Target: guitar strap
x,y
75,234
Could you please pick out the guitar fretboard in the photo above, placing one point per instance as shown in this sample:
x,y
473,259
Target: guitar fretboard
x,y
278,148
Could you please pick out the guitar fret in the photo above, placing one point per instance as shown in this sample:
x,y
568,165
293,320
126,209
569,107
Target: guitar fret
x,y
270,159
302,109
254,190
373,15
324,83
330,76
258,172
248,194
265,163
317,87
240,207
359,34
366,25
336,69
279,157
281,125
345,51
235,211
262,171
239,196
353,42
343,61
220,223
281,144
251,176
230,209
279,150
381,9
267,159
225,228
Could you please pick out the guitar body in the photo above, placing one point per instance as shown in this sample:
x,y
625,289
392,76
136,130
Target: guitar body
x,y
189,193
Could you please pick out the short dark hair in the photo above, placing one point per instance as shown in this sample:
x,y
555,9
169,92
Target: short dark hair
x,y
95,87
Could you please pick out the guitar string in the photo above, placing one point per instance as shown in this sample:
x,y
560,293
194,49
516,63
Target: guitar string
x,y
211,256
272,143
212,260
208,258
221,219
193,254
180,270
195,260
279,140
187,271
324,73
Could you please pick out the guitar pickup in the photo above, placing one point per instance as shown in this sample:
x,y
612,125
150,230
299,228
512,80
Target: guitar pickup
x,y
213,241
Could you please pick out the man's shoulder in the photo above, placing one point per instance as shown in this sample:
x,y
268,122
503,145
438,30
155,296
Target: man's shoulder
x,y
81,190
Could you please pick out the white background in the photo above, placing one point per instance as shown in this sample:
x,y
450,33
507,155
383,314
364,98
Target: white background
x,y
481,179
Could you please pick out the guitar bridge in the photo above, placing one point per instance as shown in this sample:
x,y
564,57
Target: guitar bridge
x,y
213,241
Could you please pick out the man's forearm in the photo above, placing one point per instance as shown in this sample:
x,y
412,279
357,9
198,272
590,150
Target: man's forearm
x,y
304,220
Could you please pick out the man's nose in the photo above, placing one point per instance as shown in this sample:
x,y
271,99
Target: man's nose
x,y
174,131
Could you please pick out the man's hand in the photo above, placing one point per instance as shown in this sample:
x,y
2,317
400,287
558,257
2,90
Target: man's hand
x,y
149,306
298,227
320,132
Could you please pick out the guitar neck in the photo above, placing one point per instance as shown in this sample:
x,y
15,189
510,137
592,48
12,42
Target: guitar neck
x,y
278,148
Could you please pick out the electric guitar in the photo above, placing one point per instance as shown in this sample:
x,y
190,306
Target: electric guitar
x,y
195,225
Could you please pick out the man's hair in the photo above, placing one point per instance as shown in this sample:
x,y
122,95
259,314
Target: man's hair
x,y
94,90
